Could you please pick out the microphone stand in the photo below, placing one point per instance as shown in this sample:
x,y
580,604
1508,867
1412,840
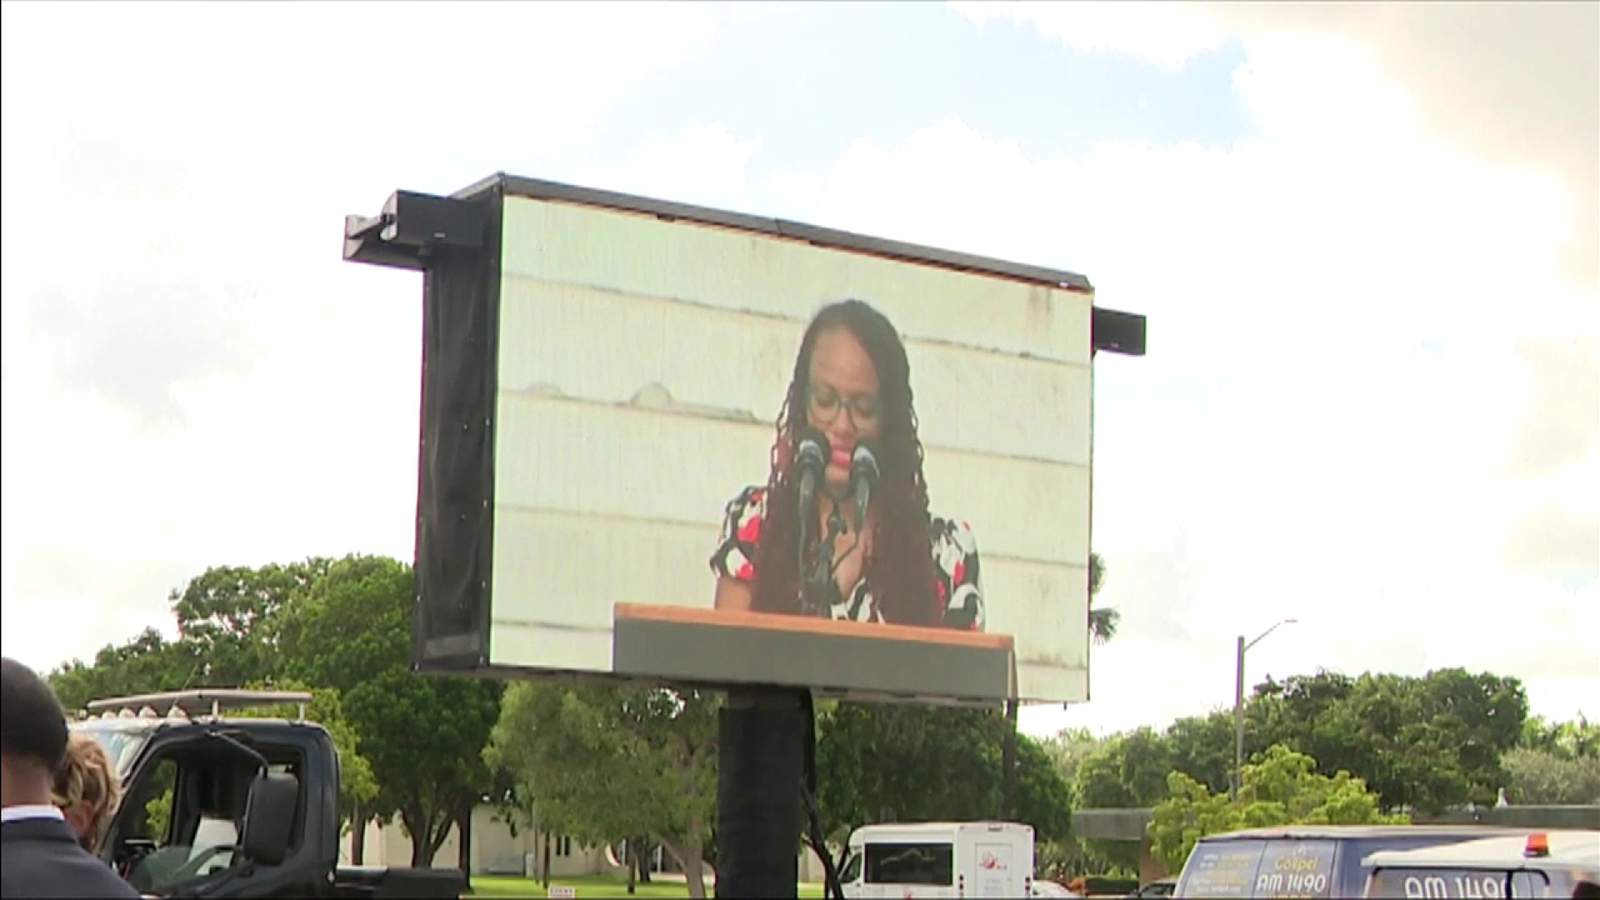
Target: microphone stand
x,y
817,590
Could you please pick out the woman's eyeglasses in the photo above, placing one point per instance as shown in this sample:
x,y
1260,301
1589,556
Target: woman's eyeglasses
x,y
825,403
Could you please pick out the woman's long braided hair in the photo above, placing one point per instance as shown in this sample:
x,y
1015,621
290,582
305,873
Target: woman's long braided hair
x,y
900,569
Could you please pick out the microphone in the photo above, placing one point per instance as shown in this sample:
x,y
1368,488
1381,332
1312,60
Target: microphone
x,y
863,478
811,458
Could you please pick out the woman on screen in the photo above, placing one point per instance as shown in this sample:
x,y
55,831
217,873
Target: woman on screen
x,y
851,388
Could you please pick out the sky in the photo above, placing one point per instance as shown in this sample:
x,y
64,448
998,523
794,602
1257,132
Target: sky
x,y
1366,238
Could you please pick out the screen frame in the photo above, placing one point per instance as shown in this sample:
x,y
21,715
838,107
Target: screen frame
x,y
453,602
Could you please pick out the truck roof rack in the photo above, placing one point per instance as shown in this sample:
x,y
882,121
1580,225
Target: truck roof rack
x,y
202,701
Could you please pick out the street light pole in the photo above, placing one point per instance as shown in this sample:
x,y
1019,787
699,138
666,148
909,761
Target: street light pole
x,y
1238,708
1238,721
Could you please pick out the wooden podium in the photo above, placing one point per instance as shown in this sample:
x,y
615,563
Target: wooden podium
x,y
711,646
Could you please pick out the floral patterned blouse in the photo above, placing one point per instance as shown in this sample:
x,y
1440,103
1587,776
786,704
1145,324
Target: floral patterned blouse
x,y
955,559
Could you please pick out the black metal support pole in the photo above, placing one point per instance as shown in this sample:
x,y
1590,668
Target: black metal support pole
x,y
760,761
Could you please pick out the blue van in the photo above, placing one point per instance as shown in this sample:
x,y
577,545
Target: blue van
x,y
1304,860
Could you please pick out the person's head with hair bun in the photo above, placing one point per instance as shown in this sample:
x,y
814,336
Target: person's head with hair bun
x,y
86,789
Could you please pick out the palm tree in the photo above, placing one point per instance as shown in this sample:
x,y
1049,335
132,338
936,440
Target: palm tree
x,y
1102,621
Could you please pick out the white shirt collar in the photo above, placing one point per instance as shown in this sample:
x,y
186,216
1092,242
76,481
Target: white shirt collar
x,y
35,811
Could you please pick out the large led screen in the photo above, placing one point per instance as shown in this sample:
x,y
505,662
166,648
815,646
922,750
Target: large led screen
x,y
719,455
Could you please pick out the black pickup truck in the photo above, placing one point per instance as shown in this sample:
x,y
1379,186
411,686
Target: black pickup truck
x,y
218,806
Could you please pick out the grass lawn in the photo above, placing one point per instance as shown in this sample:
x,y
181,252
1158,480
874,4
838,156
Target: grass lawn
x,y
592,886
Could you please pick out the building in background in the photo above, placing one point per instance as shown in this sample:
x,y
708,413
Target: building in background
x,y
497,851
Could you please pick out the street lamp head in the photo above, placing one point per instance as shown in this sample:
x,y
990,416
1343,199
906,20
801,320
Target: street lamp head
x,y
1281,622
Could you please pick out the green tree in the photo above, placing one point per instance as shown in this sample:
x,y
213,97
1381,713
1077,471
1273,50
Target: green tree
x,y
227,613
1044,798
1127,770
158,812
352,624
1480,716
146,664
907,763
903,762
1067,750
1202,748
1068,856
1130,770
1103,620
1190,812
1281,787
604,763
544,728
424,736
1426,744
1545,777
1565,740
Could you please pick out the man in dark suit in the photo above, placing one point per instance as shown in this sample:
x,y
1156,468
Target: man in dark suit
x,y
39,853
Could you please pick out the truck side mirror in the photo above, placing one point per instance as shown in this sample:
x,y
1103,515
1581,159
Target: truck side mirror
x,y
269,818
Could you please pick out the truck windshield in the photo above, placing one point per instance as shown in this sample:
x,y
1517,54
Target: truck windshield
x,y
121,739
910,863
852,868
1450,884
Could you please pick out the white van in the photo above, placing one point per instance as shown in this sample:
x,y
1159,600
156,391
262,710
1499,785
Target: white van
x,y
1537,864
940,859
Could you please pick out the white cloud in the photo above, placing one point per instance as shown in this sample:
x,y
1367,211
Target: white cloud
x,y
1164,34
702,163
1517,84
1562,391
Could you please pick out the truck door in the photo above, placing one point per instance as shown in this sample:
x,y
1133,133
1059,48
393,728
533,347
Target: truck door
x,y
850,876
995,872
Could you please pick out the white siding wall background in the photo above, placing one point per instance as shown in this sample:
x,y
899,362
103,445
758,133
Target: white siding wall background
x,y
642,365
494,849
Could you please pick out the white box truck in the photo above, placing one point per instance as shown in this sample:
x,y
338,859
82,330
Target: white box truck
x,y
939,859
